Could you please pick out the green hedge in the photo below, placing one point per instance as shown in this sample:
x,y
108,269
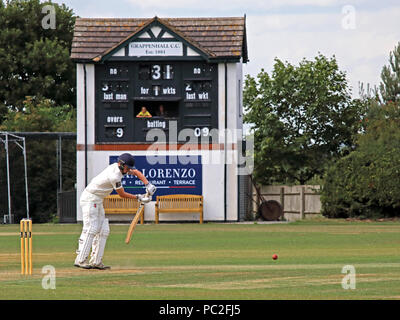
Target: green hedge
x,y
366,182
363,185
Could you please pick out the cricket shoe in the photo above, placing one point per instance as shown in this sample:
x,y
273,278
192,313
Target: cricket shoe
x,y
83,265
100,266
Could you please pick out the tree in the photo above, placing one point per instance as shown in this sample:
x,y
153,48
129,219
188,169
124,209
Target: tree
x,y
389,87
41,115
365,182
35,61
303,116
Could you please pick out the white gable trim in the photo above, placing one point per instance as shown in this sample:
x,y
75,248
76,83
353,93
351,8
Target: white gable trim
x,y
167,35
145,35
156,30
191,52
120,53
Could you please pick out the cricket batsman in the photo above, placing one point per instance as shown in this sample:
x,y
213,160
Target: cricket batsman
x,y
95,226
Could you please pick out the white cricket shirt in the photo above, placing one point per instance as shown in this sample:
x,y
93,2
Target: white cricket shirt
x,y
105,182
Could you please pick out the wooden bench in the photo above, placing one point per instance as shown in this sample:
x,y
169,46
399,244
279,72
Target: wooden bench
x,y
179,203
114,204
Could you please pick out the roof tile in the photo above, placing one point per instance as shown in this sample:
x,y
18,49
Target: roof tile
x,y
219,37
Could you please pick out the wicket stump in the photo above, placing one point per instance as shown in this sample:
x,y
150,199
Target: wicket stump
x,y
26,246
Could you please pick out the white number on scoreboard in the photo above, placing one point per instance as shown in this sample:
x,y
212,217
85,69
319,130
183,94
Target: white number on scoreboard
x,y
156,72
120,132
201,132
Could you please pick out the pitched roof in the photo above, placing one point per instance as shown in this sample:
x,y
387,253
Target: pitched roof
x,y
217,37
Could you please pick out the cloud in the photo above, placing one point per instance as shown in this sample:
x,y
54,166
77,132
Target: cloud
x,y
221,5
287,29
361,52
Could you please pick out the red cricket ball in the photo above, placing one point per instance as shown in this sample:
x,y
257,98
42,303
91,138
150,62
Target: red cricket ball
x,y
274,256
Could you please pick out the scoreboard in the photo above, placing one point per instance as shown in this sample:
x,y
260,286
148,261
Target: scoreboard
x,y
174,93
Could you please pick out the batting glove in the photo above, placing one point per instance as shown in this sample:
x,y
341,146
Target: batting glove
x,y
150,188
143,198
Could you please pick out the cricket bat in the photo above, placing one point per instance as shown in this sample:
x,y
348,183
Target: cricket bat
x,y
134,222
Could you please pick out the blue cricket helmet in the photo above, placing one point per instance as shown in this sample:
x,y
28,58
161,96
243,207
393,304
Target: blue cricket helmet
x,y
127,159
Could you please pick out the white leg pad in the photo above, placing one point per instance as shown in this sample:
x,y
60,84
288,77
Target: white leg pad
x,y
99,244
94,220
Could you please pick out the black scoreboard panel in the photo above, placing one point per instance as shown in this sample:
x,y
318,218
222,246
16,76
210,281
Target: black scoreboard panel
x,y
186,90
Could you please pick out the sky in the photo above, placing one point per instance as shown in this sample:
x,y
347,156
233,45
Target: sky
x,y
359,33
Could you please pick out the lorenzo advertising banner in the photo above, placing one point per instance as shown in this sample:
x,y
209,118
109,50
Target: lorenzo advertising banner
x,y
168,178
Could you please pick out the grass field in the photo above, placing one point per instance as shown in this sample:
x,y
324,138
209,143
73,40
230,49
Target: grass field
x,y
212,261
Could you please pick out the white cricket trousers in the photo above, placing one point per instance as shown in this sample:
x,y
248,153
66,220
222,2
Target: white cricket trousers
x,y
95,230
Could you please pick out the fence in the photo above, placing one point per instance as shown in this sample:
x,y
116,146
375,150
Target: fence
x,y
245,202
298,202
67,206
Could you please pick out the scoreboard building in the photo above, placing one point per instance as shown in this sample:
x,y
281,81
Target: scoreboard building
x,y
166,91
